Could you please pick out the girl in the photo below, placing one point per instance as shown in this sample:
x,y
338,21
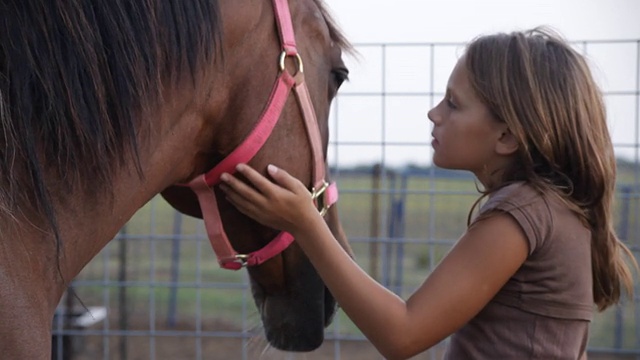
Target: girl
x,y
523,113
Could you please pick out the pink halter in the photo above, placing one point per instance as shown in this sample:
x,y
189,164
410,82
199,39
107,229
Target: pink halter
x,y
323,193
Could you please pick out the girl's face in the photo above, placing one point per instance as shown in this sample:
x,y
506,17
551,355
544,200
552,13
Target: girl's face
x,y
466,135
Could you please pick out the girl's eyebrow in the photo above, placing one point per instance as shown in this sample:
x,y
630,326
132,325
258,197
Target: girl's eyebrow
x,y
451,92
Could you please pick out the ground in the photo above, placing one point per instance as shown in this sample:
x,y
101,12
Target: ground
x,y
220,348
213,348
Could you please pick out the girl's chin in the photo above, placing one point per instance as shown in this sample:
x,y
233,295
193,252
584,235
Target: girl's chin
x,y
443,164
438,162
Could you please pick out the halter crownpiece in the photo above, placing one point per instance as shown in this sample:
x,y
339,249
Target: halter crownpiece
x,y
323,194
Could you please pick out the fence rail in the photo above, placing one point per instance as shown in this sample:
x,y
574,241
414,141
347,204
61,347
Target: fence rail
x,y
156,292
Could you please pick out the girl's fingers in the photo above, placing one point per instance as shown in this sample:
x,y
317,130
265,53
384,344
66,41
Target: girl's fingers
x,y
283,178
275,202
270,189
239,201
252,205
239,187
261,183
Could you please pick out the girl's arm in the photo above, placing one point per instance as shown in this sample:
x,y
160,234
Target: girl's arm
x,y
475,269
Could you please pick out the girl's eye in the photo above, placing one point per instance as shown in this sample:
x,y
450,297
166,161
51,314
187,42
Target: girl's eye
x,y
450,103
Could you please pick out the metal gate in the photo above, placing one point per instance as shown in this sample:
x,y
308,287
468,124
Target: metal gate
x,y
155,291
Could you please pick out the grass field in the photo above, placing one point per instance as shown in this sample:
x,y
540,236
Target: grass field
x,y
434,213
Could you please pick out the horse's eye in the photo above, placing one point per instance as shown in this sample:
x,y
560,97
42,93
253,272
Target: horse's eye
x,y
339,75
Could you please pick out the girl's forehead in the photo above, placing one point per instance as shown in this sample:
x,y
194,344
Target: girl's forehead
x,y
459,79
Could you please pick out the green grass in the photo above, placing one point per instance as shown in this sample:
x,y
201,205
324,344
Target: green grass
x,y
435,214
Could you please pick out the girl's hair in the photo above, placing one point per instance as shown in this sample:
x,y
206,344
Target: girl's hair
x,y
537,84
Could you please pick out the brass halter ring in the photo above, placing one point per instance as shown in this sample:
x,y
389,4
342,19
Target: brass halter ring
x,y
283,57
240,259
316,196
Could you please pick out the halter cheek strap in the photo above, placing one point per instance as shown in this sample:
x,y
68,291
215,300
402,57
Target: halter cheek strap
x,y
228,258
324,194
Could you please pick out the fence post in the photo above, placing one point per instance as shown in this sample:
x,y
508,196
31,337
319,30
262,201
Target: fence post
x,y
123,313
623,235
399,231
374,228
387,254
175,269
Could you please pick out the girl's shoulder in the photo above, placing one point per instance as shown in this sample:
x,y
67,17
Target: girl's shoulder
x,y
514,195
544,217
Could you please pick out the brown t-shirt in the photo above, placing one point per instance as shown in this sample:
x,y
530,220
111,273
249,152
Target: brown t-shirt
x,y
544,310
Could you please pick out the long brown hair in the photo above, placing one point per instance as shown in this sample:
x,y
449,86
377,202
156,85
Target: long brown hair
x,y
544,91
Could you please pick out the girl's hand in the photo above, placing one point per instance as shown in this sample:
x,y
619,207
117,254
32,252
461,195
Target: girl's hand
x,y
285,204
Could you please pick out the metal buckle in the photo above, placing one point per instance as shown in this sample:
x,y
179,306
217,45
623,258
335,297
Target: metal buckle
x,y
318,199
284,55
240,259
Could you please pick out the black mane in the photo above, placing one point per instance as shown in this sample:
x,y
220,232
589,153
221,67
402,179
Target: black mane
x,y
75,75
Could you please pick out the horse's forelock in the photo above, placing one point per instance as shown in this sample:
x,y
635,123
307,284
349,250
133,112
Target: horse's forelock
x,y
335,32
74,78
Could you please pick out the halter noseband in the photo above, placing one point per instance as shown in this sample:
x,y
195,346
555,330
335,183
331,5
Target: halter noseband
x,y
324,194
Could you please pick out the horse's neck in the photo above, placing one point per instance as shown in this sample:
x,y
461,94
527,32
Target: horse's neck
x,y
25,327
27,291
32,267
34,273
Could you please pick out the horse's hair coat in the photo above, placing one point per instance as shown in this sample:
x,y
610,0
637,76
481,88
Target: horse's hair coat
x,y
75,77
105,104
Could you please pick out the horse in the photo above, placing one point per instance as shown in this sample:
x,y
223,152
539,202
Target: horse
x,y
106,104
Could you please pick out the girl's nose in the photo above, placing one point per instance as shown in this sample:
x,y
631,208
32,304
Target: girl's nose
x,y
432,115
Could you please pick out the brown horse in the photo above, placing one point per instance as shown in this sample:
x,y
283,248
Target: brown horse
x,y
105,104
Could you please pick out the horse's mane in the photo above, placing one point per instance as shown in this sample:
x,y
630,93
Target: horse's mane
x,y
74,78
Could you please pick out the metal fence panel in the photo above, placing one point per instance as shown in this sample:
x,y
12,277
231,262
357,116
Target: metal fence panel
x,y
155,292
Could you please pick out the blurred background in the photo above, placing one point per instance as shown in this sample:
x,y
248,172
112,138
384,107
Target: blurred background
x,y
155,292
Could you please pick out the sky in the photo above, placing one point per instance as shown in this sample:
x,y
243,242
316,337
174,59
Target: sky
x,y
405,70
461,20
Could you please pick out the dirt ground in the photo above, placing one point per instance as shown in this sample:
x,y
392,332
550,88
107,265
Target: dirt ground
x,y
214,348
232,349
219,348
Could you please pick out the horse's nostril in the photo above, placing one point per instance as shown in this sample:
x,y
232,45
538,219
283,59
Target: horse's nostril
x,y
294,338
294,322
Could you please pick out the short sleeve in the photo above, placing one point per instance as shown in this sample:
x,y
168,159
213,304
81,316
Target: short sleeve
x,y
528,207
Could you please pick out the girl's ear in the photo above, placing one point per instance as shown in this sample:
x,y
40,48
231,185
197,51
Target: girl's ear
x,y
507,143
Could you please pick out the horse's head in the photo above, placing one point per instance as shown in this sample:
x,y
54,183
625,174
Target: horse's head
x,y
294,303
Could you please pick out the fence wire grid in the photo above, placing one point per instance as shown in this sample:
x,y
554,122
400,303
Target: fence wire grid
x,y
156,292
